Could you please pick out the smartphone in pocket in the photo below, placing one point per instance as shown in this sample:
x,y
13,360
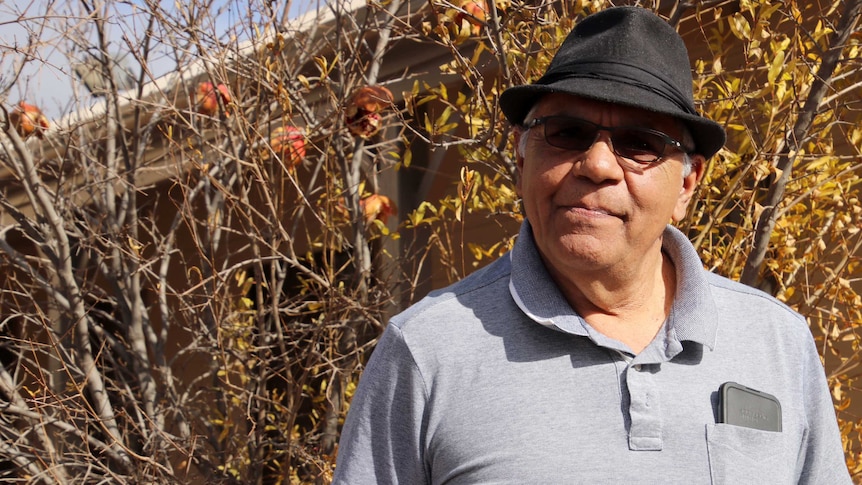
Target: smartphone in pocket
x,y
743,406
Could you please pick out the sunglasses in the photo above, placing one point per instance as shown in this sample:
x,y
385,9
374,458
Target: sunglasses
x,y
640,145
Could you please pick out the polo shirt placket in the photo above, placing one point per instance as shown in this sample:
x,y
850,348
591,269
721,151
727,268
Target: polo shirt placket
x,y
644,408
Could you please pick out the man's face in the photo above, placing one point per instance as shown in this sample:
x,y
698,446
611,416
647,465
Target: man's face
x,y
588,213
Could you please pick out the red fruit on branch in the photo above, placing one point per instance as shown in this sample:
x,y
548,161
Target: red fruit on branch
x,y
207,97
28,119
288,143
475,13
377,206
362,112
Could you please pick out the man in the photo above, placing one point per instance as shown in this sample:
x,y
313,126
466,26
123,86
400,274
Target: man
x,y
596,350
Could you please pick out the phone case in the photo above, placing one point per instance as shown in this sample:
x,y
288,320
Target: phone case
x,y
743,406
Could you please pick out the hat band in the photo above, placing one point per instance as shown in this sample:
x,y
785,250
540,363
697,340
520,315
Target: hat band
x,y
624,74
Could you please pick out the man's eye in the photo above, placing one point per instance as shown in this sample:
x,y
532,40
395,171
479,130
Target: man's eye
x,y
570,133
574,131
644,142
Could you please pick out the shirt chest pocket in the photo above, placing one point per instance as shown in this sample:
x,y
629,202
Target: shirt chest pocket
x,y
745,455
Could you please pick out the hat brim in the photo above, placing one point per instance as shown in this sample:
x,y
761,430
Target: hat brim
x,y
516,102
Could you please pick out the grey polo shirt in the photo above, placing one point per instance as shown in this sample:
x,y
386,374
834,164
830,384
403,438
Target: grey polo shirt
x,y
496,379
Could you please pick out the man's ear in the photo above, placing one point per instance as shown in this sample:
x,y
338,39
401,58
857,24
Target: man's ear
x,y
689,186
517,133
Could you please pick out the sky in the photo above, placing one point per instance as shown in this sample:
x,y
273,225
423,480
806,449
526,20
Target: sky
x,y
45,80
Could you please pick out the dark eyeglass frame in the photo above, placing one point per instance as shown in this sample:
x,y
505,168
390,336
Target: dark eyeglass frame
x,y
643,158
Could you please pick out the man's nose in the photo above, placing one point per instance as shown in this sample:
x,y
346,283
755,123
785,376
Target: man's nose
x,y
599,162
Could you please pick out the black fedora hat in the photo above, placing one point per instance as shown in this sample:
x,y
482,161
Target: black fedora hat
x,y
627,56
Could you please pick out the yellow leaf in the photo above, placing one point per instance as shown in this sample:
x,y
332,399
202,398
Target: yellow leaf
x,y
321,63
740,27
304,81
776,67
135,246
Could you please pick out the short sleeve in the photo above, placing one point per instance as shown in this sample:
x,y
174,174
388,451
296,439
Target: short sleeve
x,y
821,454
381,442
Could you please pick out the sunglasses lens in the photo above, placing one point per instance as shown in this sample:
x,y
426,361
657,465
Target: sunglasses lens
x,y
569,133
638,145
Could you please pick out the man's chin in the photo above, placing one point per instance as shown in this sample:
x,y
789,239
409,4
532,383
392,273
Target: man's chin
x,y
584,251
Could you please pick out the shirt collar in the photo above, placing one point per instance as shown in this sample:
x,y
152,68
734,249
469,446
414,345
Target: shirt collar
x,y
692,316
